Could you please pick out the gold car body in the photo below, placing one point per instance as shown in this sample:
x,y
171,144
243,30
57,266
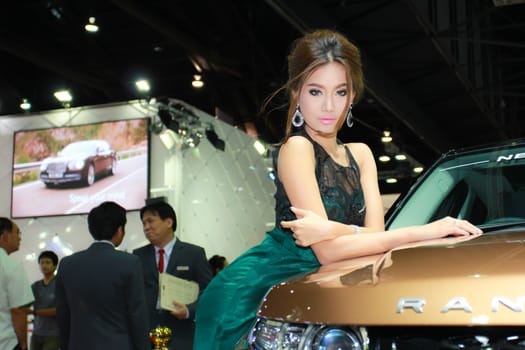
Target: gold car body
x,y
449,282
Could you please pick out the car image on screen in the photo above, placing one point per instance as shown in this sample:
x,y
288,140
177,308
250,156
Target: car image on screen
x,y
79,162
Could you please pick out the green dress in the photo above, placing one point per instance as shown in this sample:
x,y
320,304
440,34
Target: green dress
x,y
227,307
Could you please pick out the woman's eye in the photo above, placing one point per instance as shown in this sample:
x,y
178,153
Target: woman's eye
x,y
342,92
314,92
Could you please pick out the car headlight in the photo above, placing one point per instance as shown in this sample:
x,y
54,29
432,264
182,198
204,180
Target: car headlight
x,y
76,164
336,338
43,166
276,335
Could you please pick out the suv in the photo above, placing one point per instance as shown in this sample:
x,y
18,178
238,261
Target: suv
x,y
452,293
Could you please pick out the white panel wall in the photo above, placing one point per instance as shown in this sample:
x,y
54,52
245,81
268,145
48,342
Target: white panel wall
x,y
224,200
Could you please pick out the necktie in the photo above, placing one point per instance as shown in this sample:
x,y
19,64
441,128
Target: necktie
x,y
161,260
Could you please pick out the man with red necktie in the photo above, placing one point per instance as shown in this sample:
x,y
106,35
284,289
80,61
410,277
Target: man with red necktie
x,y
168,254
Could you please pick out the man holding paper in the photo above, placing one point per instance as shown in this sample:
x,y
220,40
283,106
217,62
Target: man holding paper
x,y
181,269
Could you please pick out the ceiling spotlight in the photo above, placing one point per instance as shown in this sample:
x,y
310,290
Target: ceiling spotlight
x,y
418,169
260,147
167,119
56,11
401,157
214,139
91,27
193,139
384,159
64,97
142,85
186,124
25,105
168,138
197,81
391,180
386,137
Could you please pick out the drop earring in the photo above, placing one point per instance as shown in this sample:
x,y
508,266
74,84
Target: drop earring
x,y
349,117
297,119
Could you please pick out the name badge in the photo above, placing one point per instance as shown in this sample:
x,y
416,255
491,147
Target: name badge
x,y
183,268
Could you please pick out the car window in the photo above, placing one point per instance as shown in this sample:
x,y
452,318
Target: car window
x,y
78,147
484,187
103,146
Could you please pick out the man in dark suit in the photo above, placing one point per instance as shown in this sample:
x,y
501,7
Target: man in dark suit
x,y
100,291
177,258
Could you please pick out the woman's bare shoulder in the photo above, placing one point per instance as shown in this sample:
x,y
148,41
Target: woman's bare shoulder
x,y
361,152
296,143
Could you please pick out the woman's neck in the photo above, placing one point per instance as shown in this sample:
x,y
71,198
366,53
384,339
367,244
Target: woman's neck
x,y
328,141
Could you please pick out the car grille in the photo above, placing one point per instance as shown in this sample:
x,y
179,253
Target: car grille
x,y
446,338
56,167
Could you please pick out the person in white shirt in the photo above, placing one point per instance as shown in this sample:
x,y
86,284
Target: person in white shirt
x,y
15,290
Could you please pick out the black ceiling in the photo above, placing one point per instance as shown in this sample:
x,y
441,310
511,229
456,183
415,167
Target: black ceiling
x,y
440,74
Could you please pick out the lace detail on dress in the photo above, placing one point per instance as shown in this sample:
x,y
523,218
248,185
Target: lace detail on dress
x,y
340,189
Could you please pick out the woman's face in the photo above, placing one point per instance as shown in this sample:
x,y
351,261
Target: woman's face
x,y
323,98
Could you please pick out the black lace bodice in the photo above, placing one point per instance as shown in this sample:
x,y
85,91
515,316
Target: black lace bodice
x,y
340,189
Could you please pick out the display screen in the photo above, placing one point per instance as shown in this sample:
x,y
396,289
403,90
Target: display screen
x,y
69,170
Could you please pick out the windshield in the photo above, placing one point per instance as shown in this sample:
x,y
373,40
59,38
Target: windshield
x,y
78,147
486,187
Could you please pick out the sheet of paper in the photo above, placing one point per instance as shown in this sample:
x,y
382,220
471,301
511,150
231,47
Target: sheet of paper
x,y
174,288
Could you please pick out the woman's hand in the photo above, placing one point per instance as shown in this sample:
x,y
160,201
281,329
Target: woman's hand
x,y
309,228
447,226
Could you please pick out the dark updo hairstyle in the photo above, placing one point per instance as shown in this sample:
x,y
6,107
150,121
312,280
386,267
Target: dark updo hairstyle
x,y
312,51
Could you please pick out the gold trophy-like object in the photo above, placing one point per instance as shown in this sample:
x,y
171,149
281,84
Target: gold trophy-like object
x,y
160,337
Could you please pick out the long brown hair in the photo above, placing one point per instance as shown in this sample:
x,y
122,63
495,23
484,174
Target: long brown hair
x,y
312,51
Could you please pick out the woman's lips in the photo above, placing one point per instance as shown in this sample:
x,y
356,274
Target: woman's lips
x,y
327,120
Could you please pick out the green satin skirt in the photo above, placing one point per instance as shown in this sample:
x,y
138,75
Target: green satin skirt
x,y
227,307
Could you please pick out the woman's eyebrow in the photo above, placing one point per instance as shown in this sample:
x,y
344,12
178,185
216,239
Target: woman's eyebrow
x,y
322,86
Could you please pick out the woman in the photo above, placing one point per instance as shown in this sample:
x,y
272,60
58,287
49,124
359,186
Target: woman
x,y
322,187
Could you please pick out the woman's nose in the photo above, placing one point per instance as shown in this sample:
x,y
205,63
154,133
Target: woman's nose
x,y
328,103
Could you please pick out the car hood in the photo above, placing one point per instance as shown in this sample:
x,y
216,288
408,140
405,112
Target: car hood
x,y
453,281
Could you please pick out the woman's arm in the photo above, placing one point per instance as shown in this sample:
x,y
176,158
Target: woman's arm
x,y
296,171
294,176
332,241
351,245
375,215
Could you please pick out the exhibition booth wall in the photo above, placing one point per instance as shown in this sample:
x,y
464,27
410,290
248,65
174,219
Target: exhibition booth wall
x,y
223,199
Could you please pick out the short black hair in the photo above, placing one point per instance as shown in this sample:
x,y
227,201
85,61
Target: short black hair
x,y
217,262
105,219
49,254
6,225
163,210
